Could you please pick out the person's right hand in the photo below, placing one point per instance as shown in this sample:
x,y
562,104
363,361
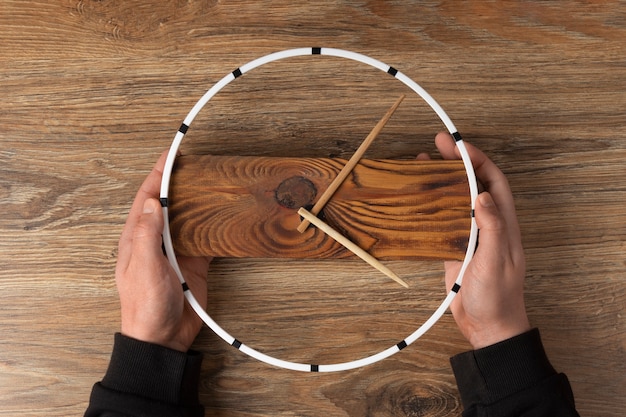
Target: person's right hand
x,y
489,307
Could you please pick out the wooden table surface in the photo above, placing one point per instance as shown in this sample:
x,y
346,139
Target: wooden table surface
x,y
93,91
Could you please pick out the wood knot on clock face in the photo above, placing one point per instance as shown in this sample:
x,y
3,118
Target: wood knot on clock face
x,y
295,192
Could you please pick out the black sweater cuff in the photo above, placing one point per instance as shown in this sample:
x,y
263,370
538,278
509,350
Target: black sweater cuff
x,y
143,376
153,371
487,375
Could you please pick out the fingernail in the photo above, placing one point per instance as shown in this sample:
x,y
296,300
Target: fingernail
x,y
148,207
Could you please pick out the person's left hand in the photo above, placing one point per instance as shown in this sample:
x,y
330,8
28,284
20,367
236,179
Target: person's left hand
x,y
153,306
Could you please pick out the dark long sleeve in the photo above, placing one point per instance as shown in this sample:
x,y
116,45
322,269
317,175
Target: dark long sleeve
x,y
512,378
144,379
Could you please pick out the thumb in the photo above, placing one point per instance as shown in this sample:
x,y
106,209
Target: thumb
x,y
491,224
147,234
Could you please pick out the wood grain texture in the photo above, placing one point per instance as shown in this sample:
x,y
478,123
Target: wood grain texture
x,y
93,92
248,207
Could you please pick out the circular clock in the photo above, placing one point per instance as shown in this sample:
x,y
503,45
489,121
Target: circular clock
x,y
310,216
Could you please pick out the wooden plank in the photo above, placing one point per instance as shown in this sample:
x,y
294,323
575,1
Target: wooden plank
x,y
238,207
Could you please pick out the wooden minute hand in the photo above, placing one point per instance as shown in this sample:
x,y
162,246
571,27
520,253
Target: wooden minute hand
x,y
345,171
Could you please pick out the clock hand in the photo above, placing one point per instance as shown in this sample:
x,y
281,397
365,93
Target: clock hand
x,y
345,171
350,245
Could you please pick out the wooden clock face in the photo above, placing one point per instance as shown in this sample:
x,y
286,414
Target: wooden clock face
x,y
262,134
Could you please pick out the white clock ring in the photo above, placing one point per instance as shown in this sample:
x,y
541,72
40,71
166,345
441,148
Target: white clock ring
x,y
167,239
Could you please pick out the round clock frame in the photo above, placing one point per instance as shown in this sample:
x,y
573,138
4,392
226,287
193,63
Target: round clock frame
x,y
167,238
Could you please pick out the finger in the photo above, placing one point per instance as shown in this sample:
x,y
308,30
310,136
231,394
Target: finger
x,y
484,168
486,171
496,183
489,175
452,269
195,272
149,189
423,157
446,146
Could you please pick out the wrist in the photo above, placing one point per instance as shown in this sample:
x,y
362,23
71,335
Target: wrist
x,y
172,344
498,332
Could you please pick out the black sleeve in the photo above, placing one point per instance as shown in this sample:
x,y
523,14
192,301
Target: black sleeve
x,y
512,378
144,379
